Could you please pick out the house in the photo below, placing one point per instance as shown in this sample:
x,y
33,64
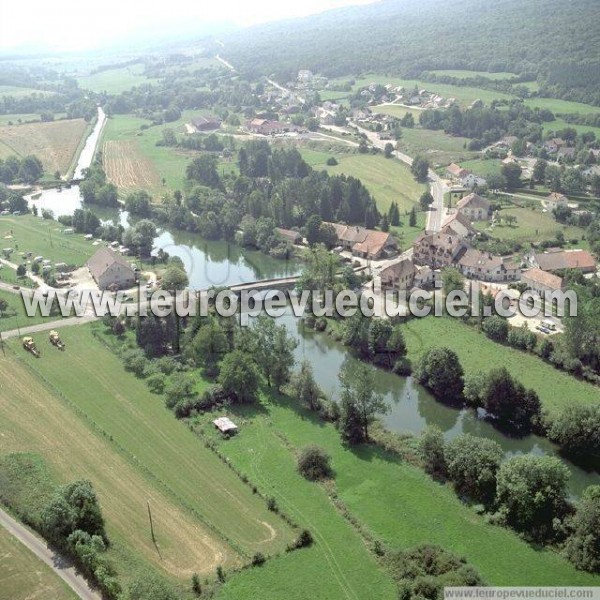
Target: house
x,y
487,267
305,77
474,207
288,235
506,142
225,425
438,249
454,171
559,260
109,269
458,224
556,200
541,281
553,145
399,276
267,127
471,180
366,243
206,123
566,153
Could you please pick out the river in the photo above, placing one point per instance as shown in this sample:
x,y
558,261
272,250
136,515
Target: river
x,y
210,263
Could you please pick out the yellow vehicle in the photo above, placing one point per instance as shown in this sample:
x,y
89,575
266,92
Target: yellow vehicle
x,y
56,341
30,346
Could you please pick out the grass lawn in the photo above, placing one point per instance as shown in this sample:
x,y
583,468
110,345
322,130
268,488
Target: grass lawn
x,y
115,81
531,226
54,143
43,237
559,124
19,92
440,148
561,107
152,442
15,317
24,577
462,74
483,168
478,353
397,111
396,502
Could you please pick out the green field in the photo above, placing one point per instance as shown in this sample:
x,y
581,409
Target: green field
x,y
19,92
531,226
149,436
394,501
461,74
559,124
397,110
439,147
15,317
43,237
115,81
24,577
389,180
478,353
482,167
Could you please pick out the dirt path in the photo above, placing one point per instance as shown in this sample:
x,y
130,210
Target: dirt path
x,y
63,569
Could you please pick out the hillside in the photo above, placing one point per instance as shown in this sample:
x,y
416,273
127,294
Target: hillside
x,y
553,41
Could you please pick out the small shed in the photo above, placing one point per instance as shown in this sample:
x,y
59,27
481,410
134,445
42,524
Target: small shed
x,y
225,425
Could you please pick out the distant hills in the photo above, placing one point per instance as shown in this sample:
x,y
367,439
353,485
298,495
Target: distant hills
x,y
555,41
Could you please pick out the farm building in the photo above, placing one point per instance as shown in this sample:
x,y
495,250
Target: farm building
x,y
474,207
225,425
111,270
556,200
288,235
206,123
558,260
366,243
541,281
399,276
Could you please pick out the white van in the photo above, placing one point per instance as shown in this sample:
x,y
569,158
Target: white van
x,y
549,325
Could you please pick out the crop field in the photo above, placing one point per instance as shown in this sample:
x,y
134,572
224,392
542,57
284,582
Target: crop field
x,y
127,167
54,143
531,226
115,81
205,509
478,353
396,502
24,577
43,237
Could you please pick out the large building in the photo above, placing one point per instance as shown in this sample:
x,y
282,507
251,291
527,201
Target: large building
x,y
363,242
541,281
399,276
474,207
458,224
487,267
111,270
556,200
438,249
560,260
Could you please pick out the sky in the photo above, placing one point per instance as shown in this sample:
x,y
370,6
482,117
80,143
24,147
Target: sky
x,y
70,25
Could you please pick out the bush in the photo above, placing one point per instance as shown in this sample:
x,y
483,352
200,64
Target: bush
x,y
156,383
314,463
304,540
440,371
577,430
258,559
272,504
496,328
583,546
332,161
432,450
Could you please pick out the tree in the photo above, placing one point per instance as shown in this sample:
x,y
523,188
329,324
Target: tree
x,y
313,230
512,175
140,237
239,377
412,218
432,450
496,328
360,401
426,200
150,586
440,371
209,345
174,278
513,406
420,168
539,170
314,463
577,430
531,493
21,271
273,351
304,387
472,465
388,150
204,170
583,545
452,280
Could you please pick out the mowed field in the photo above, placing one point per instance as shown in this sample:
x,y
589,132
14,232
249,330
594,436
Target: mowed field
x,y
54,143
127,167
115,81
24,577
19,92
476,352
203,514
396,502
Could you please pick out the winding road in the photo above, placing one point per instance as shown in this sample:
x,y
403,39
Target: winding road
x,y
62,568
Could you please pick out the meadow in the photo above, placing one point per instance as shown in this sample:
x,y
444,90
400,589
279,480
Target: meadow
x,y
19,92
438,147
392,500
55,143
483,167
115,81
24,577
15,317
478,353
217,517
43,237
463,74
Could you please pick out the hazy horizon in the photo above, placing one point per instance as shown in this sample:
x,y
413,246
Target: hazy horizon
x,y
67,26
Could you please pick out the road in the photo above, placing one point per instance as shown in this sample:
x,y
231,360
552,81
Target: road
x,y
63,569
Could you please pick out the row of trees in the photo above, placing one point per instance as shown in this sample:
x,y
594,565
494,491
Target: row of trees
x,y
527,493
20,170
